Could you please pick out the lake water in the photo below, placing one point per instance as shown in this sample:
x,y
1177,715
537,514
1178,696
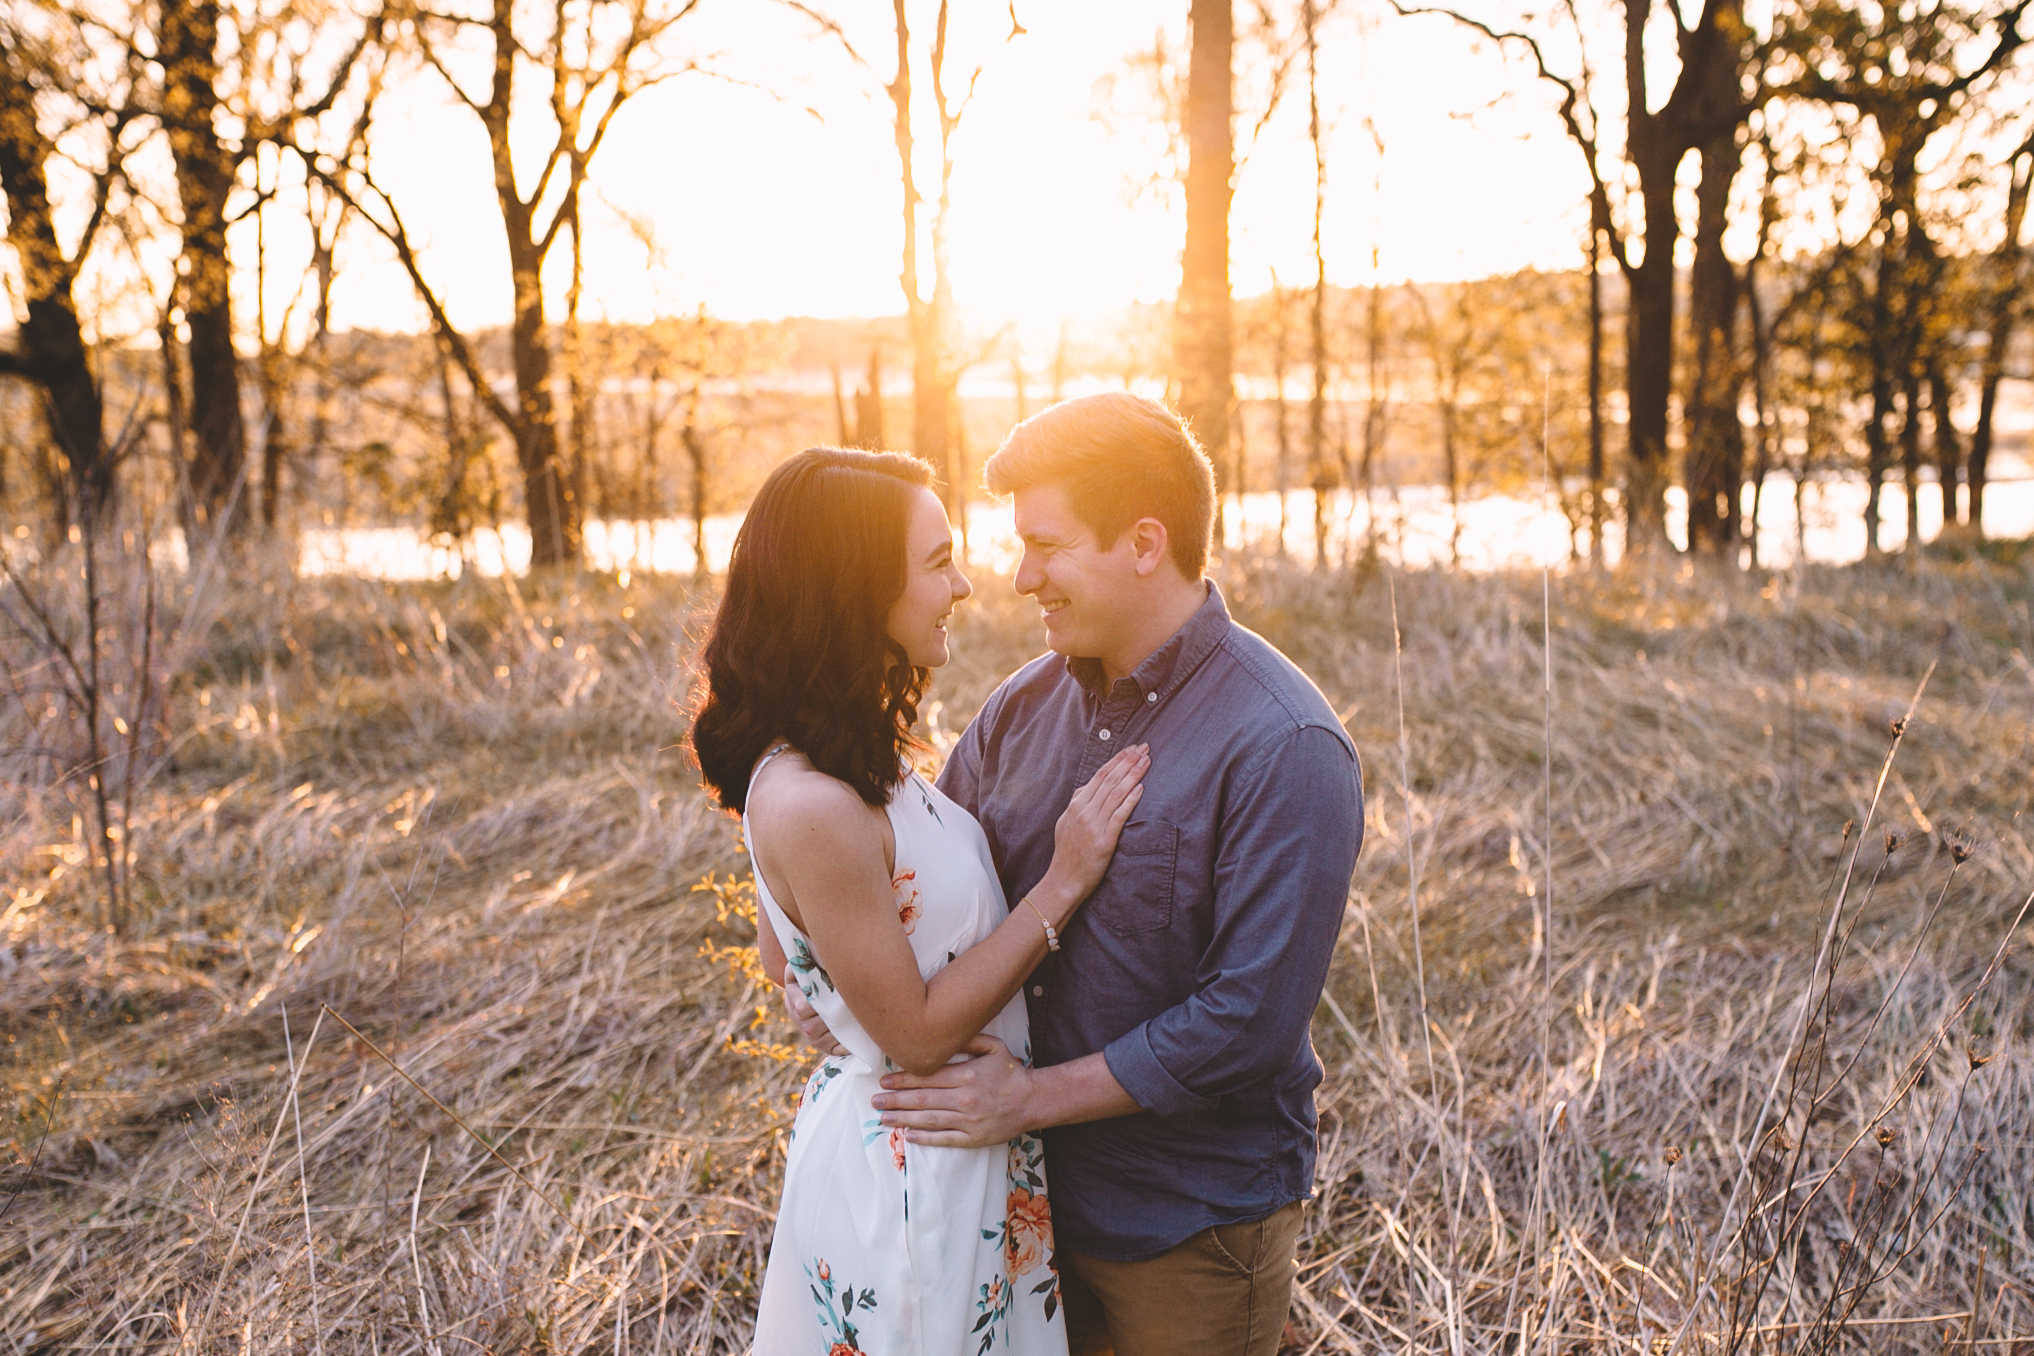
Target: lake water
x,y
1413,526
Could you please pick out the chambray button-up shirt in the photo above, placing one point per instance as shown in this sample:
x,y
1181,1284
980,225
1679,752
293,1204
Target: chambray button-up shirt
x,y
1196,964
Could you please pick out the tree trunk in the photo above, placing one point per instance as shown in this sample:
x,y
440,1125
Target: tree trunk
x,y
1280,411
1596,469
52,352
695,451
1649,364
1374,410
1451,464
1317,406
188,44
1714,469
1704,109
928,384
274,434
869,404
1910,453
1762,403
1201,342
929,418
550,507
1947,445
2005,290
581,395
176,420
1878,443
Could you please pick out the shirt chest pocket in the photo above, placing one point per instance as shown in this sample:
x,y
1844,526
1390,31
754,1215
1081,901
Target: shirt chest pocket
x,y
1136,894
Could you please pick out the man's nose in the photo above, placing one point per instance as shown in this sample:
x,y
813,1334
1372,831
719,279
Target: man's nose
x,y
1028,576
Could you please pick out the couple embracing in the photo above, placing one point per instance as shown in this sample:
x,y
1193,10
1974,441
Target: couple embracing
x,y
1063,993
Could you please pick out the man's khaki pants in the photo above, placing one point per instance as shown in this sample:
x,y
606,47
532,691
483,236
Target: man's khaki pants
x,y
1223,1292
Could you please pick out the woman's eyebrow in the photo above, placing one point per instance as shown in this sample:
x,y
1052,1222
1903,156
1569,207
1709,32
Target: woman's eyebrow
x,y
944,548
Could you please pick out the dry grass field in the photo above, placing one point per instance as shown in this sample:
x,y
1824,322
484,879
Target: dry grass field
x,y
420,1035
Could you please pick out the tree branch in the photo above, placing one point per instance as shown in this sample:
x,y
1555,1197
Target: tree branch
x,y
450,340
1571,117
833,30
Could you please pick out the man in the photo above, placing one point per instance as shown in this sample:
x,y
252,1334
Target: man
x,y
1171,1072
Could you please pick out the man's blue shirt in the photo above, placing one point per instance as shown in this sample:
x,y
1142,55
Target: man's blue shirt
x,y
1196,964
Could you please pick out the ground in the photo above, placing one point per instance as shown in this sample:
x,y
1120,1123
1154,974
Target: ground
x,y
427,1023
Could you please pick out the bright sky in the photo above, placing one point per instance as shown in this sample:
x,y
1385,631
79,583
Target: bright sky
x,y
760,209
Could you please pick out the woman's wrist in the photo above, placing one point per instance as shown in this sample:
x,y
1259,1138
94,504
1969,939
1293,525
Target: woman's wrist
x,y
1054,898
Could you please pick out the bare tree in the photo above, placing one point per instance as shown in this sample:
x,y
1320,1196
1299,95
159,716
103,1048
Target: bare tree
x,y
1376,406
1658,135
1713,469
1202,358
930,315
594,59
51,353
187,44
51,348
1317,323
1910,74
2006,285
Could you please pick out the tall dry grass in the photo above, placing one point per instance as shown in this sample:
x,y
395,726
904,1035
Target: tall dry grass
x,y
458,818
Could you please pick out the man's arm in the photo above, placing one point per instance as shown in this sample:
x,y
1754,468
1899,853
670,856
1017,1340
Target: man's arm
x,y
1282,873
1289,838
993,1097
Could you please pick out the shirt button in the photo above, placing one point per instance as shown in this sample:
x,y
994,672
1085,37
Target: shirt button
x,y
1151,696
1038,991
1104,736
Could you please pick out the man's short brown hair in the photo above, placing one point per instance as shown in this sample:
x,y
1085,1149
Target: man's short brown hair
x,y
1120,457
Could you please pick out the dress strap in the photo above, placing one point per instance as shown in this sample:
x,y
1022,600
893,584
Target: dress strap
x,y
779,747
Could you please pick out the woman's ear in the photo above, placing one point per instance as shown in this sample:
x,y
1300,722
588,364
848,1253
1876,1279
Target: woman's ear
x,y
1148,546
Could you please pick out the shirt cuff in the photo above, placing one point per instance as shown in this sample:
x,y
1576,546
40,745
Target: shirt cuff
x,y
1136,1066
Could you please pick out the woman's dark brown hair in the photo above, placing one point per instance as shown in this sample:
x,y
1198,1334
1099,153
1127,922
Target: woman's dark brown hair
x,y
800,649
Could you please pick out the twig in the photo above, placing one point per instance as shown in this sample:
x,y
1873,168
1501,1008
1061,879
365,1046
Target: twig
x,y
260,1172
303,1186
459,1121
48,1123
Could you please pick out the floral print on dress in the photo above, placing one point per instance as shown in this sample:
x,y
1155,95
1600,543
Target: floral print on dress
x,y
1026,1231
893,1139
907,900
836,1320
821,1076
993,1304
805,963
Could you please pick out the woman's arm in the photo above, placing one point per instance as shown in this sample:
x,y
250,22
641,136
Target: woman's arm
x,y
826,847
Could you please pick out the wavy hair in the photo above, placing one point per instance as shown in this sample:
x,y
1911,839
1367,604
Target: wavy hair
x,y
800,649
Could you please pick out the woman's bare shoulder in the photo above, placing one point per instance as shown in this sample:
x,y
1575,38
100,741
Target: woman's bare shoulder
x,y
794,797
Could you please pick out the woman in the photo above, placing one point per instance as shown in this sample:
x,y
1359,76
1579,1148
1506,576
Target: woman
x,y
879,900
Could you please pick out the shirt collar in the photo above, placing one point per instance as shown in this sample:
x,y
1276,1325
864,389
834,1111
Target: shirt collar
x,y
1168,665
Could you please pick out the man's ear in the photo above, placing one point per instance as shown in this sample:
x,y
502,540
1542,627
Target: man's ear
x,y
1148,546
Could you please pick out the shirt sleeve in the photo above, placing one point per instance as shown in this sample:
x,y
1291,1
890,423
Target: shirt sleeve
x,y
1290,836
961,779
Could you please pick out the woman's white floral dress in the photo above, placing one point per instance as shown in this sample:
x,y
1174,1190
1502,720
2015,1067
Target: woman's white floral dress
x,y
885,1248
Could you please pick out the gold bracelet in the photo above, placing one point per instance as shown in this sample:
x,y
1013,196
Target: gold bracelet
x,y
1051,936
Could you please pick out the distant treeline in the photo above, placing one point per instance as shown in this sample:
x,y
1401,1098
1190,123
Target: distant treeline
x,y
1448,384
